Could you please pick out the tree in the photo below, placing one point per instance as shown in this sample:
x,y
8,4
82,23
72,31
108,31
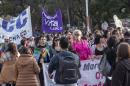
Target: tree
x,y
105,9
99,10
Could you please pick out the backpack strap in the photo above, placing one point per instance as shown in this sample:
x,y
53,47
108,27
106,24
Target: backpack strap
x,y
126,80
60,63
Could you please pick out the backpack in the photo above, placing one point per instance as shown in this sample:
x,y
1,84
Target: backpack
x,y
68,69
104,66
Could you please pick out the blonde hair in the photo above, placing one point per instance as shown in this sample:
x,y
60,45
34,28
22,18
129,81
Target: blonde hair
x,y
77,31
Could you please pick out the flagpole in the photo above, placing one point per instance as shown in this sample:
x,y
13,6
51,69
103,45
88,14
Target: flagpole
x,y
68,15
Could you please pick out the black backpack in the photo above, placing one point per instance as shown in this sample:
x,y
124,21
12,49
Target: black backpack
x,y
68,69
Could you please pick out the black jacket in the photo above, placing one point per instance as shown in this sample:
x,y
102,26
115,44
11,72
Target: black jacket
x,y
119,75
54,64
111,58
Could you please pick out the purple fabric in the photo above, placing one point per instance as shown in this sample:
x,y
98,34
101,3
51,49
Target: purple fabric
x,y
52,24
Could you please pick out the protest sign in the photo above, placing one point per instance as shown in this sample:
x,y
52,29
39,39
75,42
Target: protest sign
x,y
90,75
47,80
118,22
16,28
52,23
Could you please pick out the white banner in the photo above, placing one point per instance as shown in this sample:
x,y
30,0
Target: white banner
x,y
118,22
47,80
17,27
90,75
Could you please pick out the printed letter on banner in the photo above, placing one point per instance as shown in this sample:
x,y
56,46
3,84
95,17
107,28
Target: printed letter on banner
x,y
52,24
17,27
90,75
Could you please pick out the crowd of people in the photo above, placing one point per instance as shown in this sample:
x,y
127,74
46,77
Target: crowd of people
x,y
64,53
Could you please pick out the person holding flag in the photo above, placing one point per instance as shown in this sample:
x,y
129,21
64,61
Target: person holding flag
x,y
44,57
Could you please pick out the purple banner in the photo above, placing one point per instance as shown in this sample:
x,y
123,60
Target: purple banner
x,y
52,24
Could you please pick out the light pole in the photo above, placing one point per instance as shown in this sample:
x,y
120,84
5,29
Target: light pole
x,y
87,17
86,7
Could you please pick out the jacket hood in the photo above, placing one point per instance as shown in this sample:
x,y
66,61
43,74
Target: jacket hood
x,y
25,59
126,63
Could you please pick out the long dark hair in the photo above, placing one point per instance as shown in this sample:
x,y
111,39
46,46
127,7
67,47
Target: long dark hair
x,y
97,39
54,39
112,42
123,51
12,48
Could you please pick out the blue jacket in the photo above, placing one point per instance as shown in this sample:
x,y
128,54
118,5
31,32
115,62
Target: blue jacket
x,y
54,64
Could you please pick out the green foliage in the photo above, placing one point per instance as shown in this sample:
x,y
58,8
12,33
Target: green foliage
x,y
98,9
105,9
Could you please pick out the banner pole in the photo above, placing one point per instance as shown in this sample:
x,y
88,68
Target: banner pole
x,y
68,14
44,75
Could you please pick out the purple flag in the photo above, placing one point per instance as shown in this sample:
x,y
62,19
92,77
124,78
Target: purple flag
x,y
52,24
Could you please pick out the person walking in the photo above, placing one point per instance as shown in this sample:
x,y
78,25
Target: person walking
x,y
66,64
9,58
110,52
27,69
45,56
121,75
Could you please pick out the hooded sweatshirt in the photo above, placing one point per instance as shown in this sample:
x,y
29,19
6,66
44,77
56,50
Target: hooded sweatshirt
x,y
119,75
